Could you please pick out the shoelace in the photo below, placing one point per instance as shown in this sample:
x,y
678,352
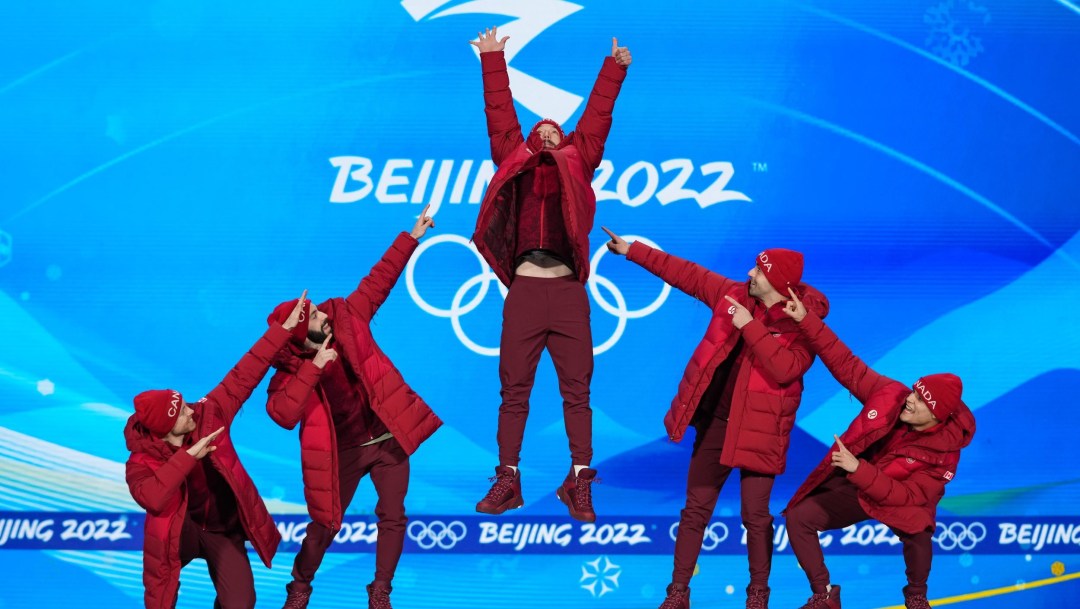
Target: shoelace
x,y
502,485
584,490
297,600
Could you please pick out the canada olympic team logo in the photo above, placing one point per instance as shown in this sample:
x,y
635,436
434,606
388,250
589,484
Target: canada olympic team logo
x,y
485,278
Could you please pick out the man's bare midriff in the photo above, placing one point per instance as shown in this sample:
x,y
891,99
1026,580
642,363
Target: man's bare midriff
x,y
539,264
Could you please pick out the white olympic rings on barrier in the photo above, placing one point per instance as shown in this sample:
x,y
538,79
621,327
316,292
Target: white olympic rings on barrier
x,y
436,533
459,308
959,535
713,536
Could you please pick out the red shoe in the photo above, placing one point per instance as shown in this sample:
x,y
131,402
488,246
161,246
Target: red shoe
x,y
678,597
504,495
378,595
824,600
916,601
299,595
757,597
576,493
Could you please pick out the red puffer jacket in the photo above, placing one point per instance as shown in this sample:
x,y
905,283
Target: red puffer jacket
x,y
577,156
295,398
156,475
770,366
905,479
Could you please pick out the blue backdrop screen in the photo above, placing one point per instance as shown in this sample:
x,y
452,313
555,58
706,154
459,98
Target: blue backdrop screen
x,y
172,170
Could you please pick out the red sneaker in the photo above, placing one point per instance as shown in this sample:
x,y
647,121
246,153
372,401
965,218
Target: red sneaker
x,y
378,595
576,493
299,595
504,495
916,601
757,597
678,597
824,600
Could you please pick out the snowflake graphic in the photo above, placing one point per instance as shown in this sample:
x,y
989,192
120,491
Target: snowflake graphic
x,y
46,387
600,573
951,30
5,248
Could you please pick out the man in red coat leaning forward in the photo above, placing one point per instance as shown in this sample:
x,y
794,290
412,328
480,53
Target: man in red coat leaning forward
x,y
533,229
740,390
199,501
892,464
357,417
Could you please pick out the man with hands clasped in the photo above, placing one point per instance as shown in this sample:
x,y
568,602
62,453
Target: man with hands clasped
x,y
740,391
892,463
533,230
199,500
357,417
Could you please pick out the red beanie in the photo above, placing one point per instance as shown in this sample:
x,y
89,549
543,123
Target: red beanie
x,y
548,121
941,392
282,312
158,409
783,268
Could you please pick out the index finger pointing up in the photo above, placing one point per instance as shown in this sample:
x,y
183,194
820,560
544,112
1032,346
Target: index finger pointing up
x,y
839,443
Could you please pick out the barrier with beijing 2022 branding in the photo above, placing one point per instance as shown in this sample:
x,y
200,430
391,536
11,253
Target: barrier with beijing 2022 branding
x,y
537,535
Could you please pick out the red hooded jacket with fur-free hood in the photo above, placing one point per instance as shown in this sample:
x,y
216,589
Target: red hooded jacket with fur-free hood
x,y
156,474
294,396
577,156
901,485
769,367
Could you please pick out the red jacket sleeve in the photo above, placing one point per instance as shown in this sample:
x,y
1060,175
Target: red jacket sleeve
x,y
921,489
288,393
375,288
153,490
695,280
503,127
595,122
845,366
783,364
237,386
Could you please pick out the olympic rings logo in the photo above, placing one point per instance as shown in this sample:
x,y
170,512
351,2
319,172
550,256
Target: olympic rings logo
x,y
459,307
714,535
437,533
959,535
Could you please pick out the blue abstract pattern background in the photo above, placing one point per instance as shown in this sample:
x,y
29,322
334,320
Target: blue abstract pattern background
x,y
172,170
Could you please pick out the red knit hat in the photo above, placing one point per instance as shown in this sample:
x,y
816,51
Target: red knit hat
x,y
783,268
533,140
282,312
941,392
158,409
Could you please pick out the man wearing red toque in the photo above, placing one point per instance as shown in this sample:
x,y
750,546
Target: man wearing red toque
x,y
199,507
533,229
892,464
357,417
740,391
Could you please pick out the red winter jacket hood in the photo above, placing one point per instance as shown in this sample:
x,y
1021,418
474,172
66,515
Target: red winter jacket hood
x,y
577,156
156,475
294,395
769,367
906,475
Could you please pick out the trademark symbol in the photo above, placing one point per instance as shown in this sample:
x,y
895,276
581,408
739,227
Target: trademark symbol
x,y
761,167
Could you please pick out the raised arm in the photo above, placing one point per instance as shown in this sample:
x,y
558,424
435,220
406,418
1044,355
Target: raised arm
x,y
226,399
595,123
288,392
503,127
784,363
695,280
845,366
375,287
